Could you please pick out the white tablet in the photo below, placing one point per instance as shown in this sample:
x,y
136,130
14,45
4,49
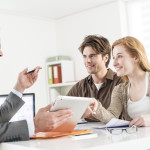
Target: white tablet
x,y
77,104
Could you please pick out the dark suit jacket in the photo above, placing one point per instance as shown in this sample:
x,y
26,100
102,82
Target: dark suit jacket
x,y
12,131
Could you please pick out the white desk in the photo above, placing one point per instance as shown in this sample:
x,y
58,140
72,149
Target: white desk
x,y
105,141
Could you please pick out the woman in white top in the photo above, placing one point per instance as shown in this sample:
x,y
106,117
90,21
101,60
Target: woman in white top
x,y
130,100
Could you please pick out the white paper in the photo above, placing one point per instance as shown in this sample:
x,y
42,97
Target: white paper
x,y
114,123
84,136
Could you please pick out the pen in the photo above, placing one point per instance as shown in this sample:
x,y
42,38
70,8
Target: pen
x,y
31,71
82,122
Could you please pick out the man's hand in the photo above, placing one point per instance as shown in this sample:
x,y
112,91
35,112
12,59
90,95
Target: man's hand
x,y
91,109
46,121
26,80
141,121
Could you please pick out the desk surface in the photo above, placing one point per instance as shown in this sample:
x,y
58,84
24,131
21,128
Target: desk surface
x,y
139,141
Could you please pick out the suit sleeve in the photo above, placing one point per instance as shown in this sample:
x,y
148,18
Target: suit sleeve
x,y
9,108
12,131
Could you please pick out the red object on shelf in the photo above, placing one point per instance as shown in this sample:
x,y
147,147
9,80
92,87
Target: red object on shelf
x,y
57,74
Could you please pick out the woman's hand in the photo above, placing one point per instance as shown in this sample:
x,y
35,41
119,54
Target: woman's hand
x,y
91,108
141,121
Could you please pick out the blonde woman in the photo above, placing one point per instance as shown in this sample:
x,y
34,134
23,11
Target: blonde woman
x,y
130,100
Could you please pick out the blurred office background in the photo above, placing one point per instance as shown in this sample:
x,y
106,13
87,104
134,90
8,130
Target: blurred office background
x,y
33,30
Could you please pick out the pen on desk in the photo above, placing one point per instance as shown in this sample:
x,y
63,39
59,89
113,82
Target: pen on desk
x,y
82,122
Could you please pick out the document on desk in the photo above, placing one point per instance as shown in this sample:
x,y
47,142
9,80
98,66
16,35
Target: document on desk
x,y
113,123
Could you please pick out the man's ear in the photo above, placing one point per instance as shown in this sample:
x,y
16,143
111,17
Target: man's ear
x,y
105,58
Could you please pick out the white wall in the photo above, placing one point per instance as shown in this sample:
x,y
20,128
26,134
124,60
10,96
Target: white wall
x,y
104,20
26,42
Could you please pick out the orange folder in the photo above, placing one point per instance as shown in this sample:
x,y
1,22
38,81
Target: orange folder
x,y
57,74
46,135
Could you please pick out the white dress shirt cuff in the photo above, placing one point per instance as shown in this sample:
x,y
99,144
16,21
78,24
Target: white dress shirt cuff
x,y
17,93
31,127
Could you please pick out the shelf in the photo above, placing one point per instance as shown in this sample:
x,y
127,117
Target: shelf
x,y
67,74
61,84
57,62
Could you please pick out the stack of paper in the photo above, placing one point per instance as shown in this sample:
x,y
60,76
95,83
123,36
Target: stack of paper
x,y
114,123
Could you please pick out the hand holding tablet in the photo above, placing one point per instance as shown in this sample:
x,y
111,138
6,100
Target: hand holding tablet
x,y
77,104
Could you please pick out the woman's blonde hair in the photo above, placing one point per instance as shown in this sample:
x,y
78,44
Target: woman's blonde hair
x,y
134,48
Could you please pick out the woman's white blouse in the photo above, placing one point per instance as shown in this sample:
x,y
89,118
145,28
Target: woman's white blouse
x,y
140,107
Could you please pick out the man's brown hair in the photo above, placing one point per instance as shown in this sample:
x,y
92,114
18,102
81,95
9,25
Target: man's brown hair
x,y
100,44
